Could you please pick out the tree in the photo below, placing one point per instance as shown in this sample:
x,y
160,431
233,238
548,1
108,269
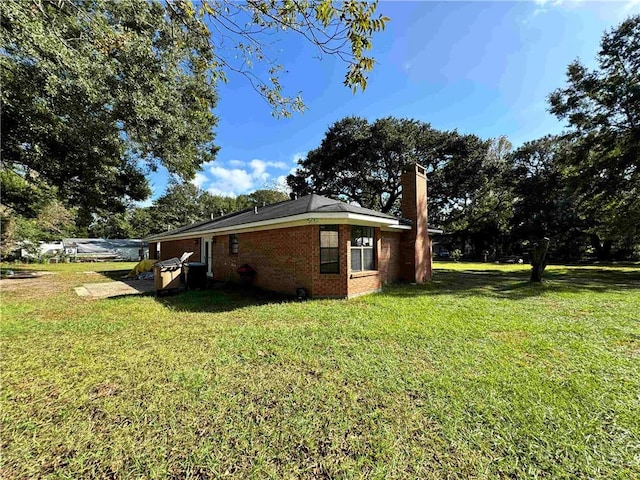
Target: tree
x,y
42,216
543,203
467,192
246,29
52,223
359,162
95,92
114,225
8,231
362,162
602,108
181,204
92,90
27,196
260,198
539,259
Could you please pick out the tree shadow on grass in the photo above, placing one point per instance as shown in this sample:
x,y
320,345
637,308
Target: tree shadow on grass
x,y
513,285
222,298
115,274
516,285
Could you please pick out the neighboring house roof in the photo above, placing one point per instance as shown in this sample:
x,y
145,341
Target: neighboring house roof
x,y
101,246
116,242
307,207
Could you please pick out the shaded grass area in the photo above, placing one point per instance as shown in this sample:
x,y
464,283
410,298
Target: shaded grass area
x,y
476,375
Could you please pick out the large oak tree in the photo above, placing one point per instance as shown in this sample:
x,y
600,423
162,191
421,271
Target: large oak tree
x,y
96,92
361,161
602,109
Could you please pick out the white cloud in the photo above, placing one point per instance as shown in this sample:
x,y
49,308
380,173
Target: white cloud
x,y
224,179
296,157
632,4
221,193
259,167
611,11
199,180
145,203
556,3
281,184
233,180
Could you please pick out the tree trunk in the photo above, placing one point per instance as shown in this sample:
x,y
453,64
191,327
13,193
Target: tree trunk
x,y
603,249
539,260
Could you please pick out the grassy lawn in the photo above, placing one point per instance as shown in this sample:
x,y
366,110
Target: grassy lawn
x,y
475,375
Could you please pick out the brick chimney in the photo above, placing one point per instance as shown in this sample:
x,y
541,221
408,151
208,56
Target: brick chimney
x,y
415,244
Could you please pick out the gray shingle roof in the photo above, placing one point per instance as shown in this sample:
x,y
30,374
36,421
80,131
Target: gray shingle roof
x,y
308,204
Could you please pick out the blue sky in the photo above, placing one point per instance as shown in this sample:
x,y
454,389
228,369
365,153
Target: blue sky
x,y
478,67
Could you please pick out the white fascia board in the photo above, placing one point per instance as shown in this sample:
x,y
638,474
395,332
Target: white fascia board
x,y
313,218
393,228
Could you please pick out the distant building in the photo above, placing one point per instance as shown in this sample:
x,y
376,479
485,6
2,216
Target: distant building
x,y
105,249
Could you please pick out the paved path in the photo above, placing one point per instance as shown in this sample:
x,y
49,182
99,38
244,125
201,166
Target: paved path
x,y
115,289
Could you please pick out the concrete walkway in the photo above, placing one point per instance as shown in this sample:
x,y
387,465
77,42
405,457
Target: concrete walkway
x,y
115,289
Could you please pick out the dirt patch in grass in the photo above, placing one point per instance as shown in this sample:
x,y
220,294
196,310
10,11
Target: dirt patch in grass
x,y
31,287
511,336
104,390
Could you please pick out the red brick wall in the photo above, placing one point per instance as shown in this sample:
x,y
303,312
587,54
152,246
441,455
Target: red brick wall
x,y
415,245
284,259
223,265
175,248
280,258
389,257
362,283
331,284
289,258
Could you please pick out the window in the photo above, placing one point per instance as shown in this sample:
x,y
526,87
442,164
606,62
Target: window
x,y
233,244
363,249
329,249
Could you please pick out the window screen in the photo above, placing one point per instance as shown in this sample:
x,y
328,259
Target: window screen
x,y
363,246
329,249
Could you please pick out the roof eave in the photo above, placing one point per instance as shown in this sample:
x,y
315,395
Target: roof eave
x,y
293,220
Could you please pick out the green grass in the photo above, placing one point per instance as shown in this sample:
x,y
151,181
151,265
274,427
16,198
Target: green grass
x,y
476,375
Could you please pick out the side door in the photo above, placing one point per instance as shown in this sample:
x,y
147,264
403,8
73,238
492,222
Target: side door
x,y
206,256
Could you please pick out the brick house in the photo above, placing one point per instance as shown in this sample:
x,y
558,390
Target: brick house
x,y
328,247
